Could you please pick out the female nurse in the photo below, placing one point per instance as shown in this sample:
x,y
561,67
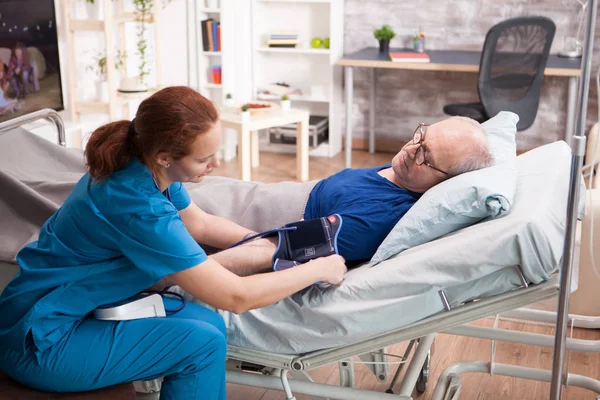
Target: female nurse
x,y
129,225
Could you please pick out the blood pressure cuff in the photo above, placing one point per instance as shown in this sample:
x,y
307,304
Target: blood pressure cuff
x,y
303,241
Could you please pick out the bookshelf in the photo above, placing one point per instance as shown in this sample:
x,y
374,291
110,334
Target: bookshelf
x,y
311,70
208,50
112,19
202,58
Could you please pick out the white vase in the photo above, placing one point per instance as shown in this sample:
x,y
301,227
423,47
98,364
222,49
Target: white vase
x,y
245,116
102,91
286,105
80,9
93,10
229,103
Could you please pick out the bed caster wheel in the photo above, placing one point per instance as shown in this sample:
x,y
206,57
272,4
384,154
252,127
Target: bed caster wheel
x,y
424,375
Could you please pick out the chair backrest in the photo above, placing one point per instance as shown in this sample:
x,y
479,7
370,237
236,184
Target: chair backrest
x,y
515,53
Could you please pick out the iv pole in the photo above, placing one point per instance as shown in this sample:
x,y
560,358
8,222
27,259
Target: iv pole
x,y
578,152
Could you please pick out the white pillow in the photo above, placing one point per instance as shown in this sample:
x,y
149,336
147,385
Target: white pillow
x,y
464,199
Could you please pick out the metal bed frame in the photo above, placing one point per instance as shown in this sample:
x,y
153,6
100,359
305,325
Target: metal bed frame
x,y
274,368
46,113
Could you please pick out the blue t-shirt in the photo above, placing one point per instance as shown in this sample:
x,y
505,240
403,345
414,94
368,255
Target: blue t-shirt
x,y
370,206
109,241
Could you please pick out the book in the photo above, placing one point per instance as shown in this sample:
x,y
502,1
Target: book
x,y
282,42
215,36
219,37
409,57
205,34
209,27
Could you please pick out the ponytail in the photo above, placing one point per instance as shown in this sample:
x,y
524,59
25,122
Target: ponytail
x,y
168,121
109,149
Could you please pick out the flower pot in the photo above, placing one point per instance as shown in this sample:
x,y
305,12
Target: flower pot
x,y
132,84
245,116
286,105
93,10
229,103
79,9
384,46
102,91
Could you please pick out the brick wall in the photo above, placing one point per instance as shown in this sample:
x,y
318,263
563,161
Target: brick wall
x,y
405,98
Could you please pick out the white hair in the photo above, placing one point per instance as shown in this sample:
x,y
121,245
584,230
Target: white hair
x,y
479,155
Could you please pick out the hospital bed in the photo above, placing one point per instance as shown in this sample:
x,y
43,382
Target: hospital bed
x,y
536,235
508,304
431,296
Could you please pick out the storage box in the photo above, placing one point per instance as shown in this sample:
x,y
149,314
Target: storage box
x,y
318,131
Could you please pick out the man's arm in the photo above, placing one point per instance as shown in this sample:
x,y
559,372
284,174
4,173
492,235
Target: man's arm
x,y
248,259
211,230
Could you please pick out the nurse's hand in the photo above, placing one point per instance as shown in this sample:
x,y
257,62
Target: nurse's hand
x,y
332,268
213,284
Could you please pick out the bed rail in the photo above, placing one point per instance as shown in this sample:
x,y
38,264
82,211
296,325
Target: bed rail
x,y
436,323
34,116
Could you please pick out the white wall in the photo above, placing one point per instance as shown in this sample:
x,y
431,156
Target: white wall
x,y
174,44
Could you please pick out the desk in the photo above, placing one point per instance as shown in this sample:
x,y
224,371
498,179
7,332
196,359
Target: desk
x,y
441,60
248,136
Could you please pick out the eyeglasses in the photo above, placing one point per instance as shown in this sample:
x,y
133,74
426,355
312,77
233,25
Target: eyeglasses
x,y
418,138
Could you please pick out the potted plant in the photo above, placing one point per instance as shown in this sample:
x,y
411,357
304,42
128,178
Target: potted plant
x,y
99,68
143,9
384,35
229,100
245,113
285,102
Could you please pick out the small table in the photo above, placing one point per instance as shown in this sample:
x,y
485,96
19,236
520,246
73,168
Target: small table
x,y
441,60
248,136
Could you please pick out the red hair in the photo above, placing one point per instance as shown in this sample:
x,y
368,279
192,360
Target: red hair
x,y
168,121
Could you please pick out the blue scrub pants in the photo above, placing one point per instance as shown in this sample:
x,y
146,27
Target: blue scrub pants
x,y
188,349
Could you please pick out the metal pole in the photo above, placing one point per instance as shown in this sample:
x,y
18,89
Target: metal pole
x,y
34,116
578,152
416,364
349,97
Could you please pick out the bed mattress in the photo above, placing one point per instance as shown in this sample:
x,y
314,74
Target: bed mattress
x,y
482,260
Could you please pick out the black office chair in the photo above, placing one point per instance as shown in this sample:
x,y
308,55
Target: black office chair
x,y
511,70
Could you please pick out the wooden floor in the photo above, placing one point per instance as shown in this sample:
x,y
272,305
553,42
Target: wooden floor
x,y
448,349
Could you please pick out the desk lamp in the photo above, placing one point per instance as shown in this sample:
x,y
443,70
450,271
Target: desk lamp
x,y
575,52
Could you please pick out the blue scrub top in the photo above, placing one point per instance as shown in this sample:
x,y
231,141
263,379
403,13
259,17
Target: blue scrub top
x,y
109,241
370,206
